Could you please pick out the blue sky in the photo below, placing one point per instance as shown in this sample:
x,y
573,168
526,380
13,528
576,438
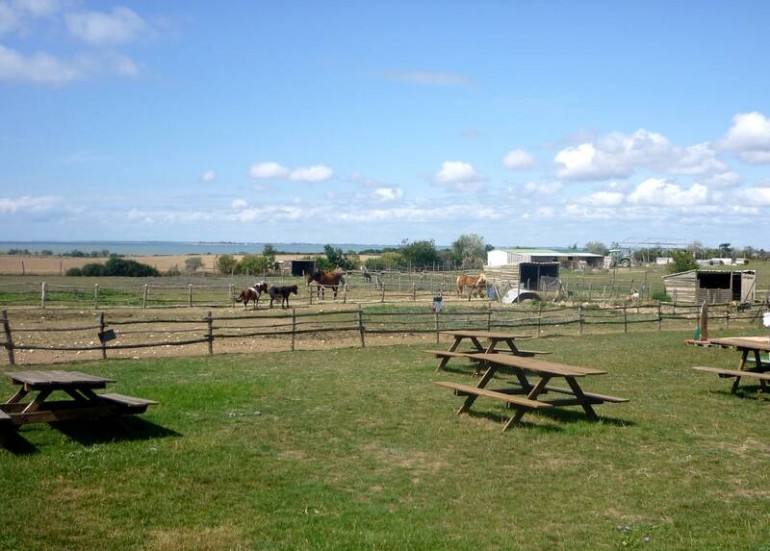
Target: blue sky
x,y
530,123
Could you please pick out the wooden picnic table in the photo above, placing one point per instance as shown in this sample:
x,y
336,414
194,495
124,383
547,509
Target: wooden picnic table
x,y
83,402
747,345
493,338
527,395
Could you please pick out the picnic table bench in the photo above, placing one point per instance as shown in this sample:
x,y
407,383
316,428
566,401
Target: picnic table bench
x,y
528,395
83,402
747,346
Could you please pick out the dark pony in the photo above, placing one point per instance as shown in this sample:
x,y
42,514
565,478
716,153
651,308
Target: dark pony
x,y
326,279
252,293
281,293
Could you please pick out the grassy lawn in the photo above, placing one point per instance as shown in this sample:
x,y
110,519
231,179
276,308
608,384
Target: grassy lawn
x,y
356,449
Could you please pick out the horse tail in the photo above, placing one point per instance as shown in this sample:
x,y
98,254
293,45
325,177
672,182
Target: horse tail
x,y
240,297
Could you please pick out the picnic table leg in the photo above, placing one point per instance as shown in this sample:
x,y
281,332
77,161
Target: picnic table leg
x,y
485,378
758,363
533,394
741,367
35,404
573,384
442,363
21,393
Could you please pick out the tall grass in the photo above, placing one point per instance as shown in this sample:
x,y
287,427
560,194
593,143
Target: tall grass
x,y
356,449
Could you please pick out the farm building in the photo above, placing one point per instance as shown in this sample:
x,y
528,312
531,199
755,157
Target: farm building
x,y
711,286
536,269
302,267
567,259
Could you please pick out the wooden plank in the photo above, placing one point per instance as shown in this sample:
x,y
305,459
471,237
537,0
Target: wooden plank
x,y
537,366
599,398
733,372
518,401
127,401
447,354
56,378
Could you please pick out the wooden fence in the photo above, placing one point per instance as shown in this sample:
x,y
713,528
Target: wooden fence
x,y
293,329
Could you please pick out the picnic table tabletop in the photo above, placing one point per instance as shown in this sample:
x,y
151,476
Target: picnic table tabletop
x,y
526,396
747,344
42,387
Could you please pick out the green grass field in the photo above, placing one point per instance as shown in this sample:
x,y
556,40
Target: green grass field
x,y
356,449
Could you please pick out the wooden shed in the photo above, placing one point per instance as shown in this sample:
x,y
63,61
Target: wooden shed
x,y
711,286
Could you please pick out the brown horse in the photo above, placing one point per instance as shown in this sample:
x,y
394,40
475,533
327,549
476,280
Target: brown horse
x,y
476,283
281,293
326,279
252,293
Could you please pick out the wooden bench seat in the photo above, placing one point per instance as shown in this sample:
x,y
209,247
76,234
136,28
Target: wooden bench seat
x,y
448,354
733,372
516,401
598,398
4,418
129,403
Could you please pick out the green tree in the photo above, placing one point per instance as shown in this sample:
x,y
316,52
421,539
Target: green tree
x,y
253,264
193,263
269,252
682,261
227,264
419,254
469,251
337,259
597,247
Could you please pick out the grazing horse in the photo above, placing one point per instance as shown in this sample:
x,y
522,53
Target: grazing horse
x,y
252,293
476,283
326,279
281,293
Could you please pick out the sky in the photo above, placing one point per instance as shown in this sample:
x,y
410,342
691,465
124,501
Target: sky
x,y
528,123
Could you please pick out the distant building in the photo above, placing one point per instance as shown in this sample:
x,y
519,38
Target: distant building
x,y
565,258
711,286
537,269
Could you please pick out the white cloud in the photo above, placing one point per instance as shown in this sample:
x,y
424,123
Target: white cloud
x,y
749,132
550,188
315,173
459,175
239,204
756,196
605,199
208,176
518,159
655,191
28,204
120,26
618,155
39,68
268,170
388,193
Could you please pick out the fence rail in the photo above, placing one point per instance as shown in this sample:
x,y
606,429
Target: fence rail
x,y
295,329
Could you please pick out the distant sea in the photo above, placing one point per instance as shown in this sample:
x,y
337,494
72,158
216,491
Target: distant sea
x,y
148,248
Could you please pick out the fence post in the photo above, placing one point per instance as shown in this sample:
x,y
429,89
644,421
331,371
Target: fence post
x,y
414,292
144,295
580,319
210,334
625,319
294,325
189,295
382,297
96,296
101,332
8,338
231,289
361,325
539,318
489,316
660,317
42,295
